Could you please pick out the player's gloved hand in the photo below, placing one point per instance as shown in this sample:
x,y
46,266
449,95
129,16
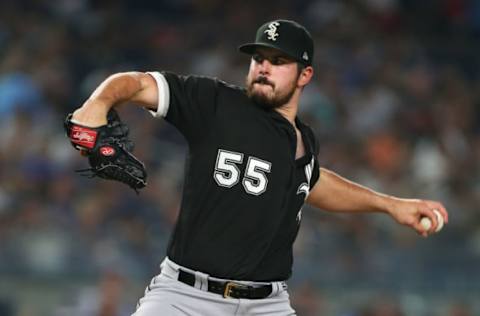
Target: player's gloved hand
x,y
108,149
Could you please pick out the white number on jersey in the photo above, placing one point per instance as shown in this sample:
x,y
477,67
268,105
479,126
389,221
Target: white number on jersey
x,y
227,174
255,180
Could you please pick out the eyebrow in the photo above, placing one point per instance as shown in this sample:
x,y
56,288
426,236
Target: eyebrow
x,y
274,55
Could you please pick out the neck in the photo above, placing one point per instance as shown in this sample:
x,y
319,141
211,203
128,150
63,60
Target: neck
x,y
289,110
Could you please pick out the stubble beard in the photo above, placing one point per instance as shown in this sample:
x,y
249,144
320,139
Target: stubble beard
x,y
272,100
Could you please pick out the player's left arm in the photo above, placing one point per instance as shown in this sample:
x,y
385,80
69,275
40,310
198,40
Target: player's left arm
x,y
337,194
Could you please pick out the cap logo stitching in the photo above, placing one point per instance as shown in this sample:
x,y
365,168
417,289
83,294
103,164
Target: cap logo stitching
x,y
272,31
305,56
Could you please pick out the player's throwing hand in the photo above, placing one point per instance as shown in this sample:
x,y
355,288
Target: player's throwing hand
x,y
410,212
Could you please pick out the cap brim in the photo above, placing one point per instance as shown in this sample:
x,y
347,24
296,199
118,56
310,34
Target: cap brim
x,y
250,49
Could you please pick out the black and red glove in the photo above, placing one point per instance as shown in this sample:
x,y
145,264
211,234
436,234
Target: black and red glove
x,y
108,149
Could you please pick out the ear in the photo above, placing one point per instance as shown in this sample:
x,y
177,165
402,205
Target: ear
x,y
305,76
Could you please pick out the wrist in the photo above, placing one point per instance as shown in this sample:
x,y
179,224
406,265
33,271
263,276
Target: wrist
x,y
99,106
92,113
386,203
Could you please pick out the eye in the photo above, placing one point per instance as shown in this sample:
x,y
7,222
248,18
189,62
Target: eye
x,y
278,61
257,58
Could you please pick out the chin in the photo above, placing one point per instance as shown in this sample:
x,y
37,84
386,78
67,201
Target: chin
x,y
264,100
262,95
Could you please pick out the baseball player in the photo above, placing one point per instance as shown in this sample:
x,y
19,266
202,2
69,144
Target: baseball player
x,y
252,164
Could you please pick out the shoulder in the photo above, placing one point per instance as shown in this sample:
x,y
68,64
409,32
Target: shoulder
x,y
189,79
208,86
201,80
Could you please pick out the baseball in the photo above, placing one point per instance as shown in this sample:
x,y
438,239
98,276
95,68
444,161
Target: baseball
x,y
427,223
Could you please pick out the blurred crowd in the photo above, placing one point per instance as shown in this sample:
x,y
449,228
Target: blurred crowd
x,y
394,103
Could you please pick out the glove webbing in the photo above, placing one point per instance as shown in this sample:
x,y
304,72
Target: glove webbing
x,y
116,172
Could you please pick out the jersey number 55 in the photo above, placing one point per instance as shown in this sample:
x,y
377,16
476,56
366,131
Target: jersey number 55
x,y
227,173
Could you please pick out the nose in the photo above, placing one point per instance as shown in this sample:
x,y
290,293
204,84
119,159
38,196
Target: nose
x,y
265,66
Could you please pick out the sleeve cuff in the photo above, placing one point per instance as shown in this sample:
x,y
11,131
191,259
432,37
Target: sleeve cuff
x,y
163,94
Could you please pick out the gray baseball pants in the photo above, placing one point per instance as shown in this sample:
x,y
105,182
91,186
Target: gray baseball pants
x,y
167,296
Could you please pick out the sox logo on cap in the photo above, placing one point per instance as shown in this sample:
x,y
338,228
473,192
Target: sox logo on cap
x,y
272,31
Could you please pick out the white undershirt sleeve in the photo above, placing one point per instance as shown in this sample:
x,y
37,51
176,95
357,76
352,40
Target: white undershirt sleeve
x,y
163,94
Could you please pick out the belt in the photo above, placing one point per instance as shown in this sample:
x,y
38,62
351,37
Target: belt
x,y
228,288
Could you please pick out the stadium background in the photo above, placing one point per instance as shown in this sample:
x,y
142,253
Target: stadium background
x,y
394,103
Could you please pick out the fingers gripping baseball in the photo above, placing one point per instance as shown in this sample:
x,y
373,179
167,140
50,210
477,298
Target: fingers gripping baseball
x,y
425,217
427,223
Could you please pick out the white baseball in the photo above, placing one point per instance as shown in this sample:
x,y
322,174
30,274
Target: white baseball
x,y
427,223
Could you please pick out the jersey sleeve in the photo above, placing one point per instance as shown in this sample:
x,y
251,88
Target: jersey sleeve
x,y
187,102
316,164
315,172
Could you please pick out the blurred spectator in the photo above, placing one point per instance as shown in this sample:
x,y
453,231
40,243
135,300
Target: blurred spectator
x,y
307,301
381,306
6,308
460,309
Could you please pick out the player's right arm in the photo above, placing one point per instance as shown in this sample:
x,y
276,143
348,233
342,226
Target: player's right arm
x,y
137,87
337,194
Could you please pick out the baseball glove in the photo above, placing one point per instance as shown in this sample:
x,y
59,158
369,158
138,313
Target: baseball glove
x,y
108,149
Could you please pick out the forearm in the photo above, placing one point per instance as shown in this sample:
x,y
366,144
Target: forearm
x,y
118,88
337,194
115,89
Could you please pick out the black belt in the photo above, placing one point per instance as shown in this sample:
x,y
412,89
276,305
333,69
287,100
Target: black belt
x,y
229,289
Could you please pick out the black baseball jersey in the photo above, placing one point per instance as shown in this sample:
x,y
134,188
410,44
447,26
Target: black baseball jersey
x,y
243,189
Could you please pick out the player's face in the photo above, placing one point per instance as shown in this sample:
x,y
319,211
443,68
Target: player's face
x,y
272,78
